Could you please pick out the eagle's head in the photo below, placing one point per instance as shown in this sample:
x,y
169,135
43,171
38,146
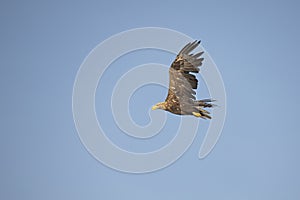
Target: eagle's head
x,y
161,105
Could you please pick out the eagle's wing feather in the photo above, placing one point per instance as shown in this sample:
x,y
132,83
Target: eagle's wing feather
x,y
182,83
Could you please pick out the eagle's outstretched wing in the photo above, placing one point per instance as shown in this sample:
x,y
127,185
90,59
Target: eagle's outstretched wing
x,y
181,95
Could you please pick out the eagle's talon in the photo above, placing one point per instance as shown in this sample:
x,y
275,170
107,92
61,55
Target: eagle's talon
x,y
196,114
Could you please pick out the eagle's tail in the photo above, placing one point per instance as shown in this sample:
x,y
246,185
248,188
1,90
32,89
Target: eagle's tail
x,y
206,103
200,104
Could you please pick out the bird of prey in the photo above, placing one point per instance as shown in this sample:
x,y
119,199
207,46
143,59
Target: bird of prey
x,y
181,98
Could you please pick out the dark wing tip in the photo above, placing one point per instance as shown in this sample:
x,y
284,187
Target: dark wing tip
x,y
189,47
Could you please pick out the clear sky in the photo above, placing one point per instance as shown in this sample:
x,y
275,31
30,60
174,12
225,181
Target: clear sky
x,y
255,45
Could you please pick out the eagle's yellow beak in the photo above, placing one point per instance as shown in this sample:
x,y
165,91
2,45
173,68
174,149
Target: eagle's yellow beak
x,y
155,107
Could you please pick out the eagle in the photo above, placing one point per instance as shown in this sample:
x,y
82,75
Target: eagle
x,y
181,98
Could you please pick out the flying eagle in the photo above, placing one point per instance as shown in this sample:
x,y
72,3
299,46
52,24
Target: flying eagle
x,y
181,98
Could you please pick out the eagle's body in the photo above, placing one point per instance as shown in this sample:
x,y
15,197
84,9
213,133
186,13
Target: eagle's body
x,y
181,98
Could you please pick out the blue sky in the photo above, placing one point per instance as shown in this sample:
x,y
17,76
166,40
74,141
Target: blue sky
x,y
255,45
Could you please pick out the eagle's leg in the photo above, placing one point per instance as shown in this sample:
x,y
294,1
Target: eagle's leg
x,y
196,114
201,113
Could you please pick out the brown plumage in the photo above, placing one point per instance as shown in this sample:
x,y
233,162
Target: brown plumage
x,y
181,98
